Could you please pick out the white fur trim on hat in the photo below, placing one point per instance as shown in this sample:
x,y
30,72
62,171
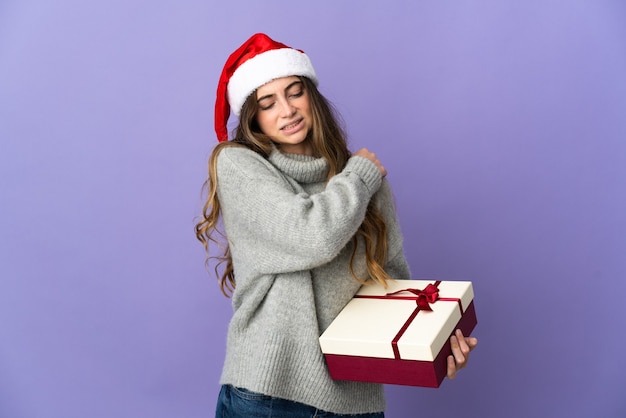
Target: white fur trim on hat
x,y
264,68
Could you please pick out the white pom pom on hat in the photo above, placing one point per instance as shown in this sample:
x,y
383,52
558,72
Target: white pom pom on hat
x,y
258,61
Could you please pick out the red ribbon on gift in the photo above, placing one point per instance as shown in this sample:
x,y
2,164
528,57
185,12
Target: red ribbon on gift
x,y
423,299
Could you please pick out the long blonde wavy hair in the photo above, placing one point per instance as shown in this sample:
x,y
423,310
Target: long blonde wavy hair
x,y
327,139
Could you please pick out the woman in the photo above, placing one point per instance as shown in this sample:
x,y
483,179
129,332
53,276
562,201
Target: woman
x,y
307,224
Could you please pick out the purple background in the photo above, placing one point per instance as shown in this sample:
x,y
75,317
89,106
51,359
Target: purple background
x,y
502,124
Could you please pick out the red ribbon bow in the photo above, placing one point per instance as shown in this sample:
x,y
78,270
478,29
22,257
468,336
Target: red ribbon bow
x,y
425,297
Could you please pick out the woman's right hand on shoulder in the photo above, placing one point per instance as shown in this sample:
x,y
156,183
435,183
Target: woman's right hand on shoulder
x,y
365,153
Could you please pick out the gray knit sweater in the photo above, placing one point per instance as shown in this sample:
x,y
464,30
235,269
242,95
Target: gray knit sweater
x,y
289,232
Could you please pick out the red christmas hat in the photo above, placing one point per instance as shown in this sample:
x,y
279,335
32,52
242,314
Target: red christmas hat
x,y
258,61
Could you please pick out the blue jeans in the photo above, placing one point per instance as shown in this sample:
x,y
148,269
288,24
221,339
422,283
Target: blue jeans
x,y
241,403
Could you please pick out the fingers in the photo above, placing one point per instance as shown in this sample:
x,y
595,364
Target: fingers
x,y
471,342
461,348
458,359
451,373
365,153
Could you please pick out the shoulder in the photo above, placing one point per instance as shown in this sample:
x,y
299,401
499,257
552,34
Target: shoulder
x,y
385,201
236,153
242,161
384,195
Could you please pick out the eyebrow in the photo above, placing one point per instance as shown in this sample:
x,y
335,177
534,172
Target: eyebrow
x,y
268,96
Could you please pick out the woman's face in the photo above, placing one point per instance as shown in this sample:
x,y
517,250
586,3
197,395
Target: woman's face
x,y
284,114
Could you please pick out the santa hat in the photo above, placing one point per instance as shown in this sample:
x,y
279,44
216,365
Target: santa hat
x,y
258,61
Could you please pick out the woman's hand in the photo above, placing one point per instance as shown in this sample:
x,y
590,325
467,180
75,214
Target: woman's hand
x,y
365,153
461,347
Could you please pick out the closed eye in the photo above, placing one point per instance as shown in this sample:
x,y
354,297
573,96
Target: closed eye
x,y
297,94
266,106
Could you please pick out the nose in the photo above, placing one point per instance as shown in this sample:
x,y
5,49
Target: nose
x,y
286,107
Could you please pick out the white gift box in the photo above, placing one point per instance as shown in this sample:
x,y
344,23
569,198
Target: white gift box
x,y
399,335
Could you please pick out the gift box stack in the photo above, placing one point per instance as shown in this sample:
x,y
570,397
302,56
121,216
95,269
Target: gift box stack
x,y
399,334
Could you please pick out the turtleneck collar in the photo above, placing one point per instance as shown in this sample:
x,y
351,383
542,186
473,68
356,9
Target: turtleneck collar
x,y
302,168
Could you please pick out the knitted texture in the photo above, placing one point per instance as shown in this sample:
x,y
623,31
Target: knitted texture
x,y
289,232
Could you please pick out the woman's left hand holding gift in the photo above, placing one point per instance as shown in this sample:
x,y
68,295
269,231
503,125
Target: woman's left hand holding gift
x,y
461,348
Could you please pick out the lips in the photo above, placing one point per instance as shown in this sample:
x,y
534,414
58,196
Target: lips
x,y
291,125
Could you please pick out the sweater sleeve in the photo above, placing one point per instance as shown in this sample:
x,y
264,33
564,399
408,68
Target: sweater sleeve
x,y
278,230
